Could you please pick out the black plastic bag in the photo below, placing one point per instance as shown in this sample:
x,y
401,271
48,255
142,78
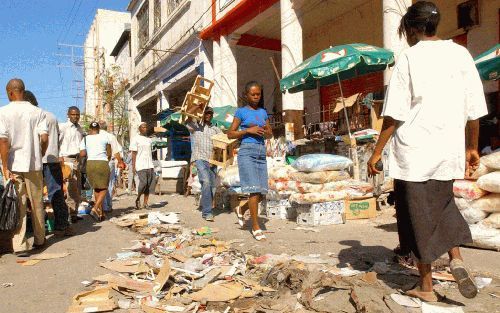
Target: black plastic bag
x,y
9,207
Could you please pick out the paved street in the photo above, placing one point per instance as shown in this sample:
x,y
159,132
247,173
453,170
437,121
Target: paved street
x,y
39,288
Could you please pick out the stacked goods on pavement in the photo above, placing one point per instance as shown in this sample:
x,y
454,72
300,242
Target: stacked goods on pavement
x,y
479,202
319,188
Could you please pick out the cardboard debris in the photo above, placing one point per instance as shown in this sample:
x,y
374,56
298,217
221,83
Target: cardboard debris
x,y
218,292
50,256
124,282
431,308
97,300
162,277
126,266
30,262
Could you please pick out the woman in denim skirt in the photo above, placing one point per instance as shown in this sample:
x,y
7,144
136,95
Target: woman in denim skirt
x,y
251,127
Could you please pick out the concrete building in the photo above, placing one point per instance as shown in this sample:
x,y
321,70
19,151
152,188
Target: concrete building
x,y
166,52
104,32
248,34
125,124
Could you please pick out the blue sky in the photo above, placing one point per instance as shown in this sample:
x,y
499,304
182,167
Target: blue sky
x,y
30,31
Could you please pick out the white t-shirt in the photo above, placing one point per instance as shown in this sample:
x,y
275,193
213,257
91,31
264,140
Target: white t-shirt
x,y
142,145
434,90
95,145
21,123
115,145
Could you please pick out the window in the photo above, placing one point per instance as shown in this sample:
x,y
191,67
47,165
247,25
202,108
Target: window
x,y
172,5
143,23
157,16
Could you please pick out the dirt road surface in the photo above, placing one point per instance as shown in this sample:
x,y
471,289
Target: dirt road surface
x,y
49,285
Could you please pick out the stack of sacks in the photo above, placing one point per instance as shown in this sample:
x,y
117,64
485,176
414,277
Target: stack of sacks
x,y
319,187
479,202
323,178
277,203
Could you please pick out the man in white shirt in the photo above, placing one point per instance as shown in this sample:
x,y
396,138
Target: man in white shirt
x,y
52,173
435,96
142,165
116,160
23,142
71,134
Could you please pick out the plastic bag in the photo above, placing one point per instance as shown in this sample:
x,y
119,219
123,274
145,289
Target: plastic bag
x,y
9,211
320,177
281,172
480,171
492,221
468,189
318,197
490,182
485,237
230,176
489,203
472,216
321,162
492,161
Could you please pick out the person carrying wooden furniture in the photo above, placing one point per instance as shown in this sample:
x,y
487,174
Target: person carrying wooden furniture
x,y
202,146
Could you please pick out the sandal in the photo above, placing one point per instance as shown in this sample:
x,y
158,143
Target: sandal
x,y
95,216
241,221
426,296
466,284
258,235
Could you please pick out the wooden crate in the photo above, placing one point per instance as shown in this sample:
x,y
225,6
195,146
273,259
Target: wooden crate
x,y
223,150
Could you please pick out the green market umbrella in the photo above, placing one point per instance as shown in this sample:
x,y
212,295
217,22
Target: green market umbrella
x,y
488,63
336,63
223,117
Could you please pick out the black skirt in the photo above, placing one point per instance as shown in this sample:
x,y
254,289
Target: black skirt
x,y
429,222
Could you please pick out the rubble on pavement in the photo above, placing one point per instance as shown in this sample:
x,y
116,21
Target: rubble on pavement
x,y
175,269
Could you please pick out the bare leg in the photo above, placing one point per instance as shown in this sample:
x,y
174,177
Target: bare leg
x,y
253,206
100,194
425,271
146,199
454,253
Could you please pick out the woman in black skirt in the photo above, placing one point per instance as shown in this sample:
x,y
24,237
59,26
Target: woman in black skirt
x,y
434,96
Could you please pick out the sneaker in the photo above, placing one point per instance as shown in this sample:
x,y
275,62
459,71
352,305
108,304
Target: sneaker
x,y
466,284
209,218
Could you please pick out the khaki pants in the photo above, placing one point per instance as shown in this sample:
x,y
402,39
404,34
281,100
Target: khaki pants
x,y
29,186
74,187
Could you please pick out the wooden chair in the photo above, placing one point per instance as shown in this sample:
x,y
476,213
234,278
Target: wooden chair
x,y
196,100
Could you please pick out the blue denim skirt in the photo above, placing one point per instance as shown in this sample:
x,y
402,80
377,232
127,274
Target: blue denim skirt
x,y
252,166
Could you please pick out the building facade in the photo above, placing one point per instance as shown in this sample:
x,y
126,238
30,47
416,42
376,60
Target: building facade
x,y
265,39
105,30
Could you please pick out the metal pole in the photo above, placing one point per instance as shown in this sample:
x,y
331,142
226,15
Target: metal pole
x,y
354,150
345,109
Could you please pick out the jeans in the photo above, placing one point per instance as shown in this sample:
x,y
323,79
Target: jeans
x,y
108,201
206,175
53,176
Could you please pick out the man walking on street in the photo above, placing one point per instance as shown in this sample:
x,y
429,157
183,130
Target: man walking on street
x,y
23,142
52,173
201,139
142,165
434,96
71,134
116,150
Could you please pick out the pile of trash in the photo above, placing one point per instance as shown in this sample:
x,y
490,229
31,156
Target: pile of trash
x,y
176,269
479,202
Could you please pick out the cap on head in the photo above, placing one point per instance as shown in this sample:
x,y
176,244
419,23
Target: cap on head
x,y
94,125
